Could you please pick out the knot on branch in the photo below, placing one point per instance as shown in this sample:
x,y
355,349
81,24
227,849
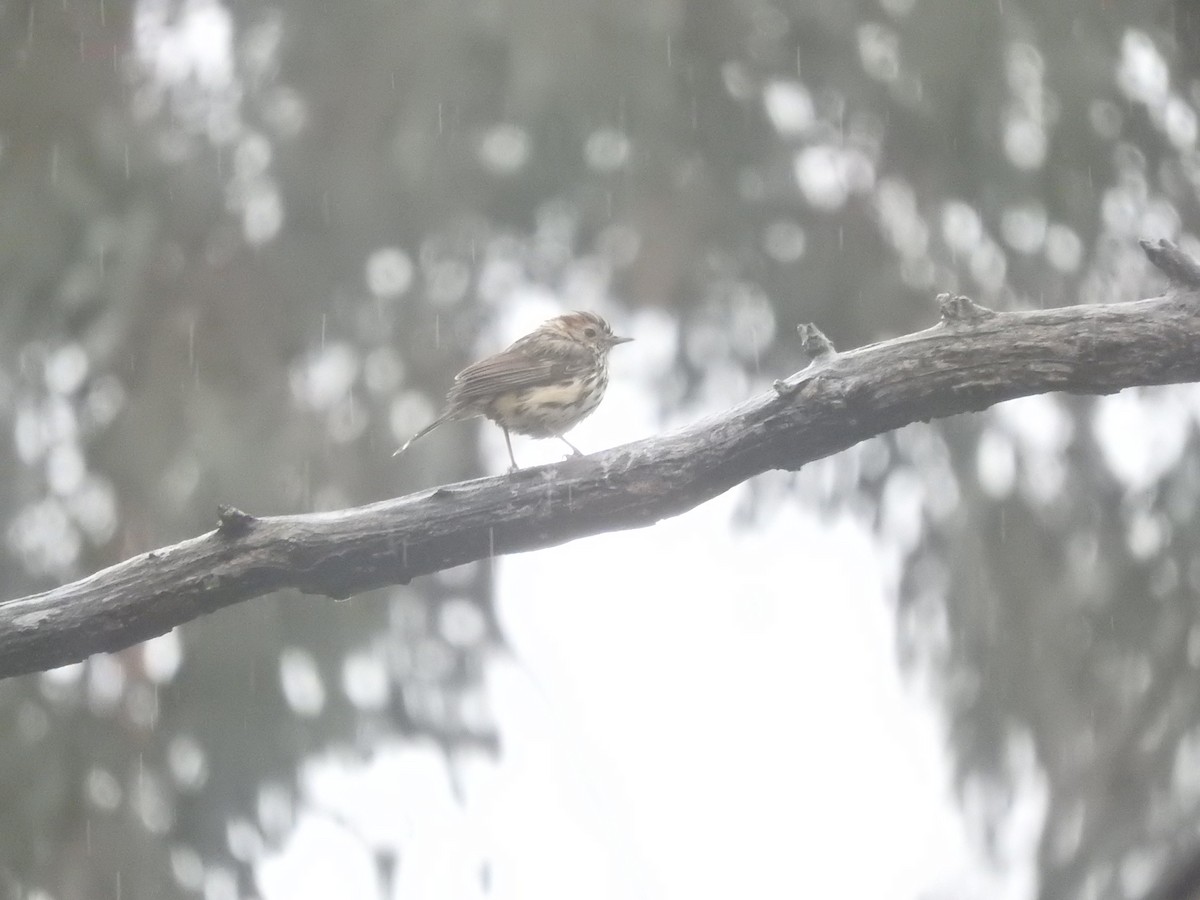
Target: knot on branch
x,y
1178,266
817,347
958,310
232,522
813,341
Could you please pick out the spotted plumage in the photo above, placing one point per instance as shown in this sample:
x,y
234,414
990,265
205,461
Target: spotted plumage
x,y
542,385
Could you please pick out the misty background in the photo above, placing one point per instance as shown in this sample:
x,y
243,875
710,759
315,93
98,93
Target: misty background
x,y
244,247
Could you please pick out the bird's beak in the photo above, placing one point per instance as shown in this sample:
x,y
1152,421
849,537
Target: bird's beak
x,y
614,340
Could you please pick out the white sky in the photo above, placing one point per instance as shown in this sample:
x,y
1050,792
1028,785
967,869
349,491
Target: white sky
x,y
730,706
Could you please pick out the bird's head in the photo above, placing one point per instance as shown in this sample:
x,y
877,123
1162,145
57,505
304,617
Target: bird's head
x,y
585,328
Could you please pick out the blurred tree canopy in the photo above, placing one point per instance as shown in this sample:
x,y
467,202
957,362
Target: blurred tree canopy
x,y
243,247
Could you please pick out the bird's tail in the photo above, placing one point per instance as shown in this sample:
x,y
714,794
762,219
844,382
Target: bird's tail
x,y
440,420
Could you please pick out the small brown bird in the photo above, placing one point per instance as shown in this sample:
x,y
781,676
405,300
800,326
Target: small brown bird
x,y
542,385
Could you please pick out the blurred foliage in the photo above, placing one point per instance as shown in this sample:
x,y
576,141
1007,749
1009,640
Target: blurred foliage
x,y
244,247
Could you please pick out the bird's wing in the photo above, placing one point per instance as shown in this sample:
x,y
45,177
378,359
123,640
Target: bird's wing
x,y
512,370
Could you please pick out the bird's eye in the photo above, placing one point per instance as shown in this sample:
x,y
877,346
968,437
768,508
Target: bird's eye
x,y
589,331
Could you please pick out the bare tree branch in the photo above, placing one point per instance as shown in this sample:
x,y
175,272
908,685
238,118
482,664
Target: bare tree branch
x,y
973,359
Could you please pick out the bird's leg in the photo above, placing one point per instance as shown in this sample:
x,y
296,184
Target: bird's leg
x,y
575,451
508,443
